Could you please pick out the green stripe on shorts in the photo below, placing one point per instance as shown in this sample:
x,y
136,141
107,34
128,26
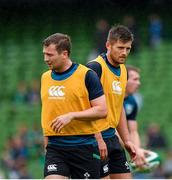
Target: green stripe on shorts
x,y
96,156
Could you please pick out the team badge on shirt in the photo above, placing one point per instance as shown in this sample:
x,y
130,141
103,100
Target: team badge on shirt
x,y
56,92
116,87
128,109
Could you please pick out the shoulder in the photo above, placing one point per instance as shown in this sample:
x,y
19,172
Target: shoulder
x,y
93,64
130,99
93,85
96,67
91,76
130,106
83,67
123,68
81,71
45,74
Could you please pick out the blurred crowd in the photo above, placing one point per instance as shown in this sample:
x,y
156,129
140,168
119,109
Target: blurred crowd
x,y
27,94
26,144
156,140
19,149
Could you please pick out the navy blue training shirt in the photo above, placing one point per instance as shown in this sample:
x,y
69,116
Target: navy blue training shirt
x,y
131,108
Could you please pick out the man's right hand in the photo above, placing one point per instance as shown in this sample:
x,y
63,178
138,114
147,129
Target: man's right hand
x,y
103,149
130,147
102,146
140,160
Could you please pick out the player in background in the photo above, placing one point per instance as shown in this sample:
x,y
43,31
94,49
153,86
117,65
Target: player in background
x,y
73,110
131,109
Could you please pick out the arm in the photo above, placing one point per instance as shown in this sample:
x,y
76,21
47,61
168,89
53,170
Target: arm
x,y
45,142
131,115
98,110
132,126
140,160
125,136
95,66
102,146
122,128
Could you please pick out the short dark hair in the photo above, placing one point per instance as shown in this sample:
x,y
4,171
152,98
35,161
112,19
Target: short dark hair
x,y
62,42
132,68
120,32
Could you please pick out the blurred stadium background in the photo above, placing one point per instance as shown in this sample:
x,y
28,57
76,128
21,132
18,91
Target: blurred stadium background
x,y
23,26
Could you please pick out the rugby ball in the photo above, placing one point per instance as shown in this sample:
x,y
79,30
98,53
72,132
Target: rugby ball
x,y
153,161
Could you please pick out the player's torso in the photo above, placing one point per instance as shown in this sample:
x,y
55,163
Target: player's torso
x,y
114,89
61,97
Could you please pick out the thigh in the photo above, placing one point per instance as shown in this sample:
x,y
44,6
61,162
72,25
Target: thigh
x,y
117,158
55,162
85,162
104,171
121,176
